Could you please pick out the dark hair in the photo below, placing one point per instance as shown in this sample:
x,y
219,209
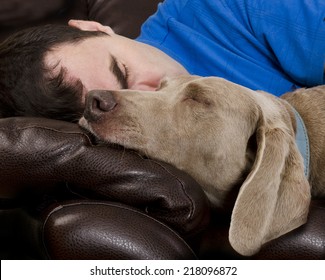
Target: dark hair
x,y
27,86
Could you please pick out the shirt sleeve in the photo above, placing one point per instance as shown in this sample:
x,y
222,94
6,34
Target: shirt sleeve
x,y
155,28
295,33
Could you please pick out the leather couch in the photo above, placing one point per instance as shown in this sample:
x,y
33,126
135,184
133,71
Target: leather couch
x,y
64,197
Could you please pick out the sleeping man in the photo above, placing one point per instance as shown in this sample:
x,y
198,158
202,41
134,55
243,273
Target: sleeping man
x,y
273,46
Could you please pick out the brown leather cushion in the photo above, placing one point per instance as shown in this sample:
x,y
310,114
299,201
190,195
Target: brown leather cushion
x,y
124,16
106,230
304,243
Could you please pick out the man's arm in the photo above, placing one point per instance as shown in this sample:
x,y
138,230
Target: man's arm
x,y
295,33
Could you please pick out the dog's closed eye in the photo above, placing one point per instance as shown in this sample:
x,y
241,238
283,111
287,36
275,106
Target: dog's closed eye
x,y
163,84
198,94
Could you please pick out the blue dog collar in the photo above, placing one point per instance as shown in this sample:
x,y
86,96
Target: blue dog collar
x,y
302,141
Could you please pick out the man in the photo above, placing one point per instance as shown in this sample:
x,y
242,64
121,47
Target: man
x,y
274,46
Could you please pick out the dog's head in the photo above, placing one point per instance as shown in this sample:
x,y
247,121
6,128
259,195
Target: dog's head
x,y
223,135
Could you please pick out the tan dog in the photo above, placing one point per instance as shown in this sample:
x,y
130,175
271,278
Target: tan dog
x,y
223,135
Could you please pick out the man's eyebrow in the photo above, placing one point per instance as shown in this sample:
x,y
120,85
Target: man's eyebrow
x,y
117,72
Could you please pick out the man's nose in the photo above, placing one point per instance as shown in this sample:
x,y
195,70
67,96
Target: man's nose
x,y
98,102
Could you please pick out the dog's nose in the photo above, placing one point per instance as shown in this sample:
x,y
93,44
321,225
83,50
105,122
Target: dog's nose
x,y
98,102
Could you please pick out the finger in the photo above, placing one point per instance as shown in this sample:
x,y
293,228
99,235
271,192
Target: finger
x,y
90,26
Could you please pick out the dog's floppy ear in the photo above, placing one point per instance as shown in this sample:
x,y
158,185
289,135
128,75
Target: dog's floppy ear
x,y
275,196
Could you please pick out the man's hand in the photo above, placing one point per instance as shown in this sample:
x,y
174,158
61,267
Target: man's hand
x,y
90,26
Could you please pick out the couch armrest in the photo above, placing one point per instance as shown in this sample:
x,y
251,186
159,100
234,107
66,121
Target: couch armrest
x,y
43,156
85,230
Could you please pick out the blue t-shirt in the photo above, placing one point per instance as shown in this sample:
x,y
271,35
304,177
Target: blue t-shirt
x,y
274,46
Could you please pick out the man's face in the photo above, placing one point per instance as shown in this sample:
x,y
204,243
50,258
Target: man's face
x,y
113,62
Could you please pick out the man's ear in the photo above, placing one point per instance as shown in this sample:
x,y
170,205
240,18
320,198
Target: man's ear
x,y
90,26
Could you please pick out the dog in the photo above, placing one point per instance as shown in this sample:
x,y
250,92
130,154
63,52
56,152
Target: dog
x,y
225,135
